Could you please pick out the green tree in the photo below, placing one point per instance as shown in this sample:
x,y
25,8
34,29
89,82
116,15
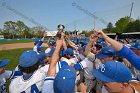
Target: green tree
x,y
137,25
21,27
9,29
121,24
109,28
0,31
133,26
38,31
23,31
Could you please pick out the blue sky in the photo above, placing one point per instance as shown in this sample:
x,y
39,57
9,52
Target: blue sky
x,y
50,13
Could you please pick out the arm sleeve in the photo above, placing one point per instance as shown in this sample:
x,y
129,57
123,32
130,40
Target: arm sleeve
x,y
8,74
77,66
130,56
39,43
81,65
48,85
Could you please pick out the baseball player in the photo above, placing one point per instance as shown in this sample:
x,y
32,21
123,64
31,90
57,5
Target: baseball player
x,y
38,42
5,74
66,76
33,78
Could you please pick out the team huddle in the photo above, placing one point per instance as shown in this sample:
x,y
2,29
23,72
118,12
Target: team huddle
x,y
101,65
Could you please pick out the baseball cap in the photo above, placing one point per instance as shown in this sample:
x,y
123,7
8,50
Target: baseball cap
x,y
83,42
52,43
136,46
39,48
50,53
65,80
28,58
112,71
100,40
106,52
103,44
83,48
4,62
69,51
42,56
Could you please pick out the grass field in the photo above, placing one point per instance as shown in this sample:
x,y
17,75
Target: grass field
x,y
13,55
15,41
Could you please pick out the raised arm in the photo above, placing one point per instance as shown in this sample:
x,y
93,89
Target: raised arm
x,y
123,50
92,41
64,42
72,44
44,35
55,58
115,44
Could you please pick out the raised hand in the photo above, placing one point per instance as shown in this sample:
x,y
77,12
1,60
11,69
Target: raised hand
x,y
66,37
100,33
45,34
93,38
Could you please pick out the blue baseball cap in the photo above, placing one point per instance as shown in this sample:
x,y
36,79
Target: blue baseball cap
x,y
83,42
83,48
103,44
42,56
52,43
28,58
136,46
106,52
100,40
65,80
50,53
112,71
69,51
4,62
39,48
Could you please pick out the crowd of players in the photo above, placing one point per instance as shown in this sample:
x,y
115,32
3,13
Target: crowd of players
x,y
101,65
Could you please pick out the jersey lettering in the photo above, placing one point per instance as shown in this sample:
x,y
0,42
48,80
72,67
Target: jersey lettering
x,y
34,89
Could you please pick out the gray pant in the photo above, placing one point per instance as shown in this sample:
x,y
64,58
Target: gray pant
x,y
90,80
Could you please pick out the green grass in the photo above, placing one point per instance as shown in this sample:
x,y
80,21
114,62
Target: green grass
x,y
16,41
13,55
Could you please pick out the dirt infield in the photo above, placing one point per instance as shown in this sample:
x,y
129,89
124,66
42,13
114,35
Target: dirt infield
x,y
18,45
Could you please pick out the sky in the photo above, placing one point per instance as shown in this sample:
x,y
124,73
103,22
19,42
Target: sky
x,y
74,14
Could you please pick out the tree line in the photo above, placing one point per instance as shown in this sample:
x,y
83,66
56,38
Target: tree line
x,y
20,30
123,25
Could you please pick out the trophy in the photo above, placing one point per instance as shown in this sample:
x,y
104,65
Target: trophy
x,y
60,29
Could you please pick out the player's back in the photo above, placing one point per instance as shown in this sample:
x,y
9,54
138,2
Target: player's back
x,y
31,85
